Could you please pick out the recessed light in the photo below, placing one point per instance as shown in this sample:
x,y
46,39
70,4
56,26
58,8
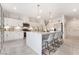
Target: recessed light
x,y
74,10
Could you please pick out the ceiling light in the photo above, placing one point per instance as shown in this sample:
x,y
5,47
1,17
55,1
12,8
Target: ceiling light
x,y
74,10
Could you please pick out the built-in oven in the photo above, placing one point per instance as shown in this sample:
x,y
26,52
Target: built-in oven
x,y
25,29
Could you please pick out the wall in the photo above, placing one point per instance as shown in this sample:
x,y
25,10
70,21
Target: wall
x,y
72,27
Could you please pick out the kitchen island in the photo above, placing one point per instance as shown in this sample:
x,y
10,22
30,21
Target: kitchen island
x,y
34,40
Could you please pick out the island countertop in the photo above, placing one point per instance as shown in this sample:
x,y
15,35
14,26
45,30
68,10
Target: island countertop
x,y
43,33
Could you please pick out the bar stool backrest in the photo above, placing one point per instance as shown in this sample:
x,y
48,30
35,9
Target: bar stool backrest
x,y
58,35
51,37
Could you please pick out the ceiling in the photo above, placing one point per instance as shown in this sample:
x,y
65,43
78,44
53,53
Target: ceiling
x,y
46,9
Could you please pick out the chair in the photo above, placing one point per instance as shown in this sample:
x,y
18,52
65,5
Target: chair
x,y
57,39
60,39
48,44
44,45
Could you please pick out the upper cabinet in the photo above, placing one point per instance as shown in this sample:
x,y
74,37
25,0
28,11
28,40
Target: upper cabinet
x,y
13,22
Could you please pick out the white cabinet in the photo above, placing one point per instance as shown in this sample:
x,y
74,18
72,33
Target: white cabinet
x,y
34,40
12,22
15,35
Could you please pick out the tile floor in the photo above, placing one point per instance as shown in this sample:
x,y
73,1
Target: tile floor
x,y
19,47
70,47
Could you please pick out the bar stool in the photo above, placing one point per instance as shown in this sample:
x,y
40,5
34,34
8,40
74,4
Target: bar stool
x,y
49,43
57,39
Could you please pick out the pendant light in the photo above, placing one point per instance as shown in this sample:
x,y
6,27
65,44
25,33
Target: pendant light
x,y
38,12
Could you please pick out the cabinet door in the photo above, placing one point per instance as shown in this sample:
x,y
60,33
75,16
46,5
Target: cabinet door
x,y
18,35
8,36
5,36
21,35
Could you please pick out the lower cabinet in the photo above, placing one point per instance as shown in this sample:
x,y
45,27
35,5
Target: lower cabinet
x,y
13,35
